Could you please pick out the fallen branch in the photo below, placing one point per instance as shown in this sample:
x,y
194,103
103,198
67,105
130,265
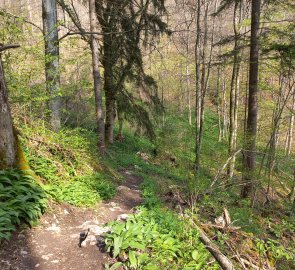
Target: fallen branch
x,y
223,261
224,166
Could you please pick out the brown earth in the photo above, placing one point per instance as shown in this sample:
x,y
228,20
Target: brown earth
x,y
54,243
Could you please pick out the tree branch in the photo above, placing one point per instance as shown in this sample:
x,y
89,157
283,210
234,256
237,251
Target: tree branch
x,y
7,47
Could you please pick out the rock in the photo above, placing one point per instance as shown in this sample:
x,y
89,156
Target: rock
x,y
37,265
123,188
66,212
23,252
97,230
113,204
93,235
116,208
54,228
123,217
46,257
55,261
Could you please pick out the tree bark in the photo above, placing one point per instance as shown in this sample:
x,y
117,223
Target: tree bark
x,y
291,128
251,132
198,90
97,79
234,95
8,146
49,15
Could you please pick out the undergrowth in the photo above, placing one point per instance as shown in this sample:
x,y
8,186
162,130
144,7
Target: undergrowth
x,y
22,200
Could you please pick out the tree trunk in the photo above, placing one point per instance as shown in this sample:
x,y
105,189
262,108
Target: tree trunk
x,y
8,146
49,15
198,91
234,95
251,132
224,107
96,78
291,127
110,99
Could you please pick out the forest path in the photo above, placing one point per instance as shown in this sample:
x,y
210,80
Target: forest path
x,y
53,244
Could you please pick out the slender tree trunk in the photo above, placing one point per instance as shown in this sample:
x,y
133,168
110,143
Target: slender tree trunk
x,y
49,15
224,107
110,100
198,90
291,128
97,79
234,95
251,132
8,146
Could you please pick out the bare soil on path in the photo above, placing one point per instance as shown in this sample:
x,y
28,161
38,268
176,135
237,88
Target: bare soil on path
x,y
54,243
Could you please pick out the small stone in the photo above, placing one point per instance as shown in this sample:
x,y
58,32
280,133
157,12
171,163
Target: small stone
x,y
21,236
122,217
54,228
46,257
123,188
23,252
113,204
55,261
66,212
37,265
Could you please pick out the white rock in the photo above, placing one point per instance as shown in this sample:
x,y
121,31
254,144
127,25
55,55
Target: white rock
x,y
54,228
122,217
37,265
55,261
46,257
112,204
66,212
23,252
123,188
97,230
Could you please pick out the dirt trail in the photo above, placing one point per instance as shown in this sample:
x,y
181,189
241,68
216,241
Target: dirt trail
x,y
53,244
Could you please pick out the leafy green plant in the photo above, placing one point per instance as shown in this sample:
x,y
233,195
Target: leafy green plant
x,y
156,239
85,190
21,200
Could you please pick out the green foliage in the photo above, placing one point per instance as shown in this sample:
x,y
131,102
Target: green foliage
x,y
85,190
157,239
21,200
274,250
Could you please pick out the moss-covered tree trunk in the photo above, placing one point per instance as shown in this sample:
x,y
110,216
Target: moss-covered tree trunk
x,y
8,147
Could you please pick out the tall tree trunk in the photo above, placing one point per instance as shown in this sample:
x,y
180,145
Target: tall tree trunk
x,y
110,95
198,90
96,78
49,15
8,146
291,127
224,107
251,132
234,95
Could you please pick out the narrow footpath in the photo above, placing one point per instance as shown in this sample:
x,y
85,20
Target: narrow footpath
x,y
54,243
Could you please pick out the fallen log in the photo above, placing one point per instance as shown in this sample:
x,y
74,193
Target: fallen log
x,y
223,261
